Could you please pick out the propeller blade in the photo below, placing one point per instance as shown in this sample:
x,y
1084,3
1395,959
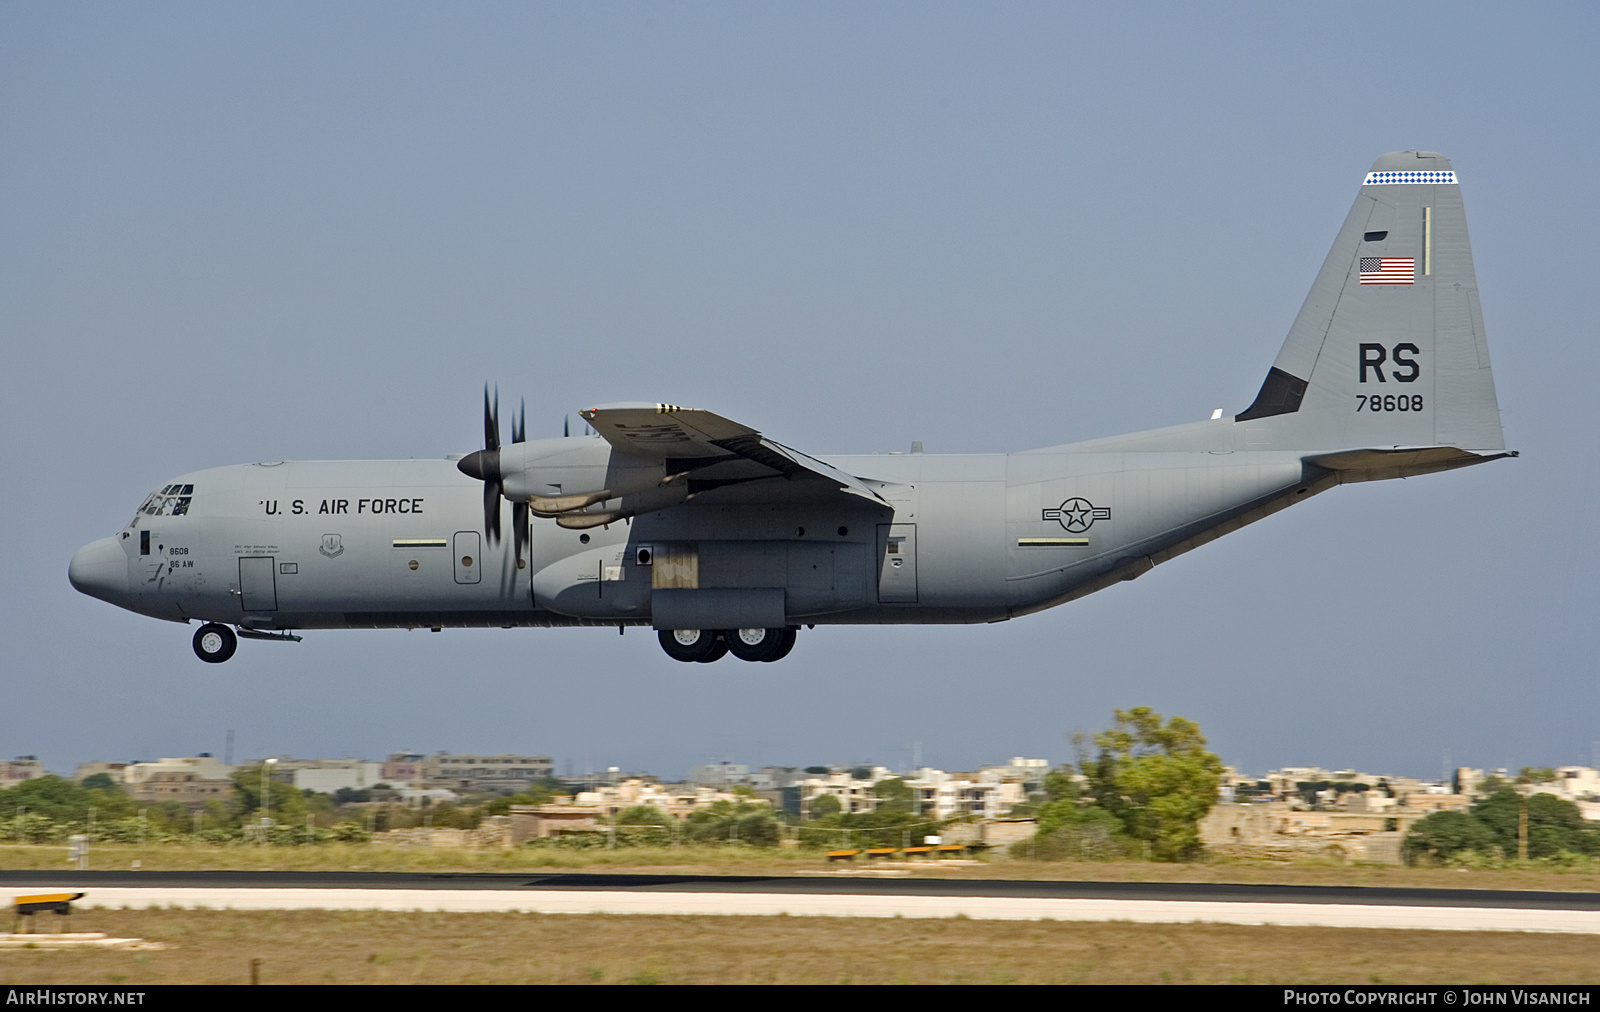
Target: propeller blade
x,y
485,465
519,528
491,420
491,510
519,510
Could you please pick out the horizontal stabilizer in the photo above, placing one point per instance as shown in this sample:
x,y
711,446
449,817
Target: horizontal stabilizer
x,y
1379,462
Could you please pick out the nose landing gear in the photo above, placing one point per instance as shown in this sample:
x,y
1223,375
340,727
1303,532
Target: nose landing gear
x,y
215,643
706,645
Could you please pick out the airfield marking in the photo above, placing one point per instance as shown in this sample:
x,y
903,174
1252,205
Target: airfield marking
x,y
1014,908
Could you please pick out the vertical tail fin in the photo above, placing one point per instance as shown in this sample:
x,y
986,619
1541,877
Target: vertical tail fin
x,y
1389,349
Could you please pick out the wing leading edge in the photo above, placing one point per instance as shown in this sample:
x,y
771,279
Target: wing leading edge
x,y
697,452
690,440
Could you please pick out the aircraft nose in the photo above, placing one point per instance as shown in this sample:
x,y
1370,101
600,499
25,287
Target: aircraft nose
x,y
100,569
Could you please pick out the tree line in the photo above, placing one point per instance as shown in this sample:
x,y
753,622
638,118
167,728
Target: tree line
x,y
50,809
1505,824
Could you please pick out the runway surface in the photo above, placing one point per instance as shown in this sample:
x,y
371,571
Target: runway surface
x,y
832,896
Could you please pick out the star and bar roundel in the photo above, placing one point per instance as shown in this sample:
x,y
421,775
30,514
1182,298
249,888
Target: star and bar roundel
x,y
1076,516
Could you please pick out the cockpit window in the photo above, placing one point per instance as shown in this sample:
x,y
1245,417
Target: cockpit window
x,y
168,501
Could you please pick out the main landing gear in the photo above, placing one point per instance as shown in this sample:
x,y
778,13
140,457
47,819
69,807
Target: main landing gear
x,y
215,643
706,645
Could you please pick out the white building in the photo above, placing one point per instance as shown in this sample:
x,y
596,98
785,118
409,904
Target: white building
x,y
1574,783
990,793
201,767
677,800
333,775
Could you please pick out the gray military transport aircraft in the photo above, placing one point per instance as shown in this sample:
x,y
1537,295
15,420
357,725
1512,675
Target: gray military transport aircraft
x,y
725,541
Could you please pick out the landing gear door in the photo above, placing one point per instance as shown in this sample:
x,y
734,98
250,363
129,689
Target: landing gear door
x,y
258,583
897,563
468,559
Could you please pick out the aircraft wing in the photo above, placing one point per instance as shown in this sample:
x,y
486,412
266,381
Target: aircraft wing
x,y
701,442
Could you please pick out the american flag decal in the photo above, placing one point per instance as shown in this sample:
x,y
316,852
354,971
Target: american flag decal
x,y
1388,270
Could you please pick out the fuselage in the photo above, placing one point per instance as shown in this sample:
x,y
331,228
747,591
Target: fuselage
x,y
726,541
954,539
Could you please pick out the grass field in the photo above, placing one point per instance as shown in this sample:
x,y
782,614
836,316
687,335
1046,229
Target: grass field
x,y
749,861
359,947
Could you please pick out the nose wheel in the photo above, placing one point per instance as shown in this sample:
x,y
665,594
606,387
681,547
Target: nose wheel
x,y
215,643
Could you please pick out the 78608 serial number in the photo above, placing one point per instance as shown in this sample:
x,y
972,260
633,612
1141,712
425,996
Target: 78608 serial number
x,y
1389,402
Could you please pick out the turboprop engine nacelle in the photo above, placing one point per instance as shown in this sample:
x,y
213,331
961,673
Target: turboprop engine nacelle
x,y
560,477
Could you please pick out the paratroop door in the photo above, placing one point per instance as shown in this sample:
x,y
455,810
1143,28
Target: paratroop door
x,y
258,583
897,563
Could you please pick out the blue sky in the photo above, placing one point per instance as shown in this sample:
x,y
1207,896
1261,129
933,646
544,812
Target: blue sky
x,y
312,231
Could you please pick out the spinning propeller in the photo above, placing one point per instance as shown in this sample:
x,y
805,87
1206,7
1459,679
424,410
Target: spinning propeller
x,y
485,466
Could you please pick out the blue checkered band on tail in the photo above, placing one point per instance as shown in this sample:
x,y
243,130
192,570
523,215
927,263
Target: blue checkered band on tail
x,y
1379,178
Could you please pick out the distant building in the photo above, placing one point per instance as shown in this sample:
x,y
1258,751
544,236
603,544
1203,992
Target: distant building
x,y
589,811
465,772
188,789
1574,783
1313,786
611,776
777,778
503,772
1467,780
204,767
329,776
84,771
854,794
990,793
404,768
191,781
722,774
1020,770
1279,830
767,779
23,767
